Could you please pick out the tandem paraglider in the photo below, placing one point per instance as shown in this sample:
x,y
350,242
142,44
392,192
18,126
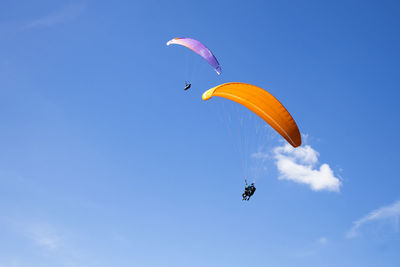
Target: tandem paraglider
x,y
248,191
265,106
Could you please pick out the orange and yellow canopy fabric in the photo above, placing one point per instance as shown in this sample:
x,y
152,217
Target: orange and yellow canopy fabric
x,y
261,103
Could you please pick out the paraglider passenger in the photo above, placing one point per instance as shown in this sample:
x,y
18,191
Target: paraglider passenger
x,y
244,195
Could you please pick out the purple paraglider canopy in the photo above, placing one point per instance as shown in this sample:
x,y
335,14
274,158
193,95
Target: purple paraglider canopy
x,y
200,49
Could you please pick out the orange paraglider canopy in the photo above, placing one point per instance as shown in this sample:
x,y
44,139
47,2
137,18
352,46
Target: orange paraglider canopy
x,y
263,104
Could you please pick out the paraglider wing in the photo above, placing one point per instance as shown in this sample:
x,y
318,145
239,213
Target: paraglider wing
x,y
200,49
263,104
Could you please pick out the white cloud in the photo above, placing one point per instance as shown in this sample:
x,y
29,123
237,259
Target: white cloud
x,y
66,14
391,212
298,165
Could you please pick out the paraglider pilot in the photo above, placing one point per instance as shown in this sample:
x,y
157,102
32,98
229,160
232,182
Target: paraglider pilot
x,y
248,191
187,85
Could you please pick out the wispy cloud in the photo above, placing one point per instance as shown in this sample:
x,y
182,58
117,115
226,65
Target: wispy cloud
x,y
299,165
260,155
50,239
44,235
63,15
305,253
391,212
310,250
322,240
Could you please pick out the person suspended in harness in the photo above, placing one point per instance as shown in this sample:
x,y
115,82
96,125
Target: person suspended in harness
x,y
187,85
248,191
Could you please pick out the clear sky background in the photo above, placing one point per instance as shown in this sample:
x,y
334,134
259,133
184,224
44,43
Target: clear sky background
x,y
106,161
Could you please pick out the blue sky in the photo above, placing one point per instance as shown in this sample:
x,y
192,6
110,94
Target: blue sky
x,y
106,161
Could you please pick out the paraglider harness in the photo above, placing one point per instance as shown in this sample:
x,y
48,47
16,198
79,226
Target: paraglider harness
x,y
248,191
187,85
